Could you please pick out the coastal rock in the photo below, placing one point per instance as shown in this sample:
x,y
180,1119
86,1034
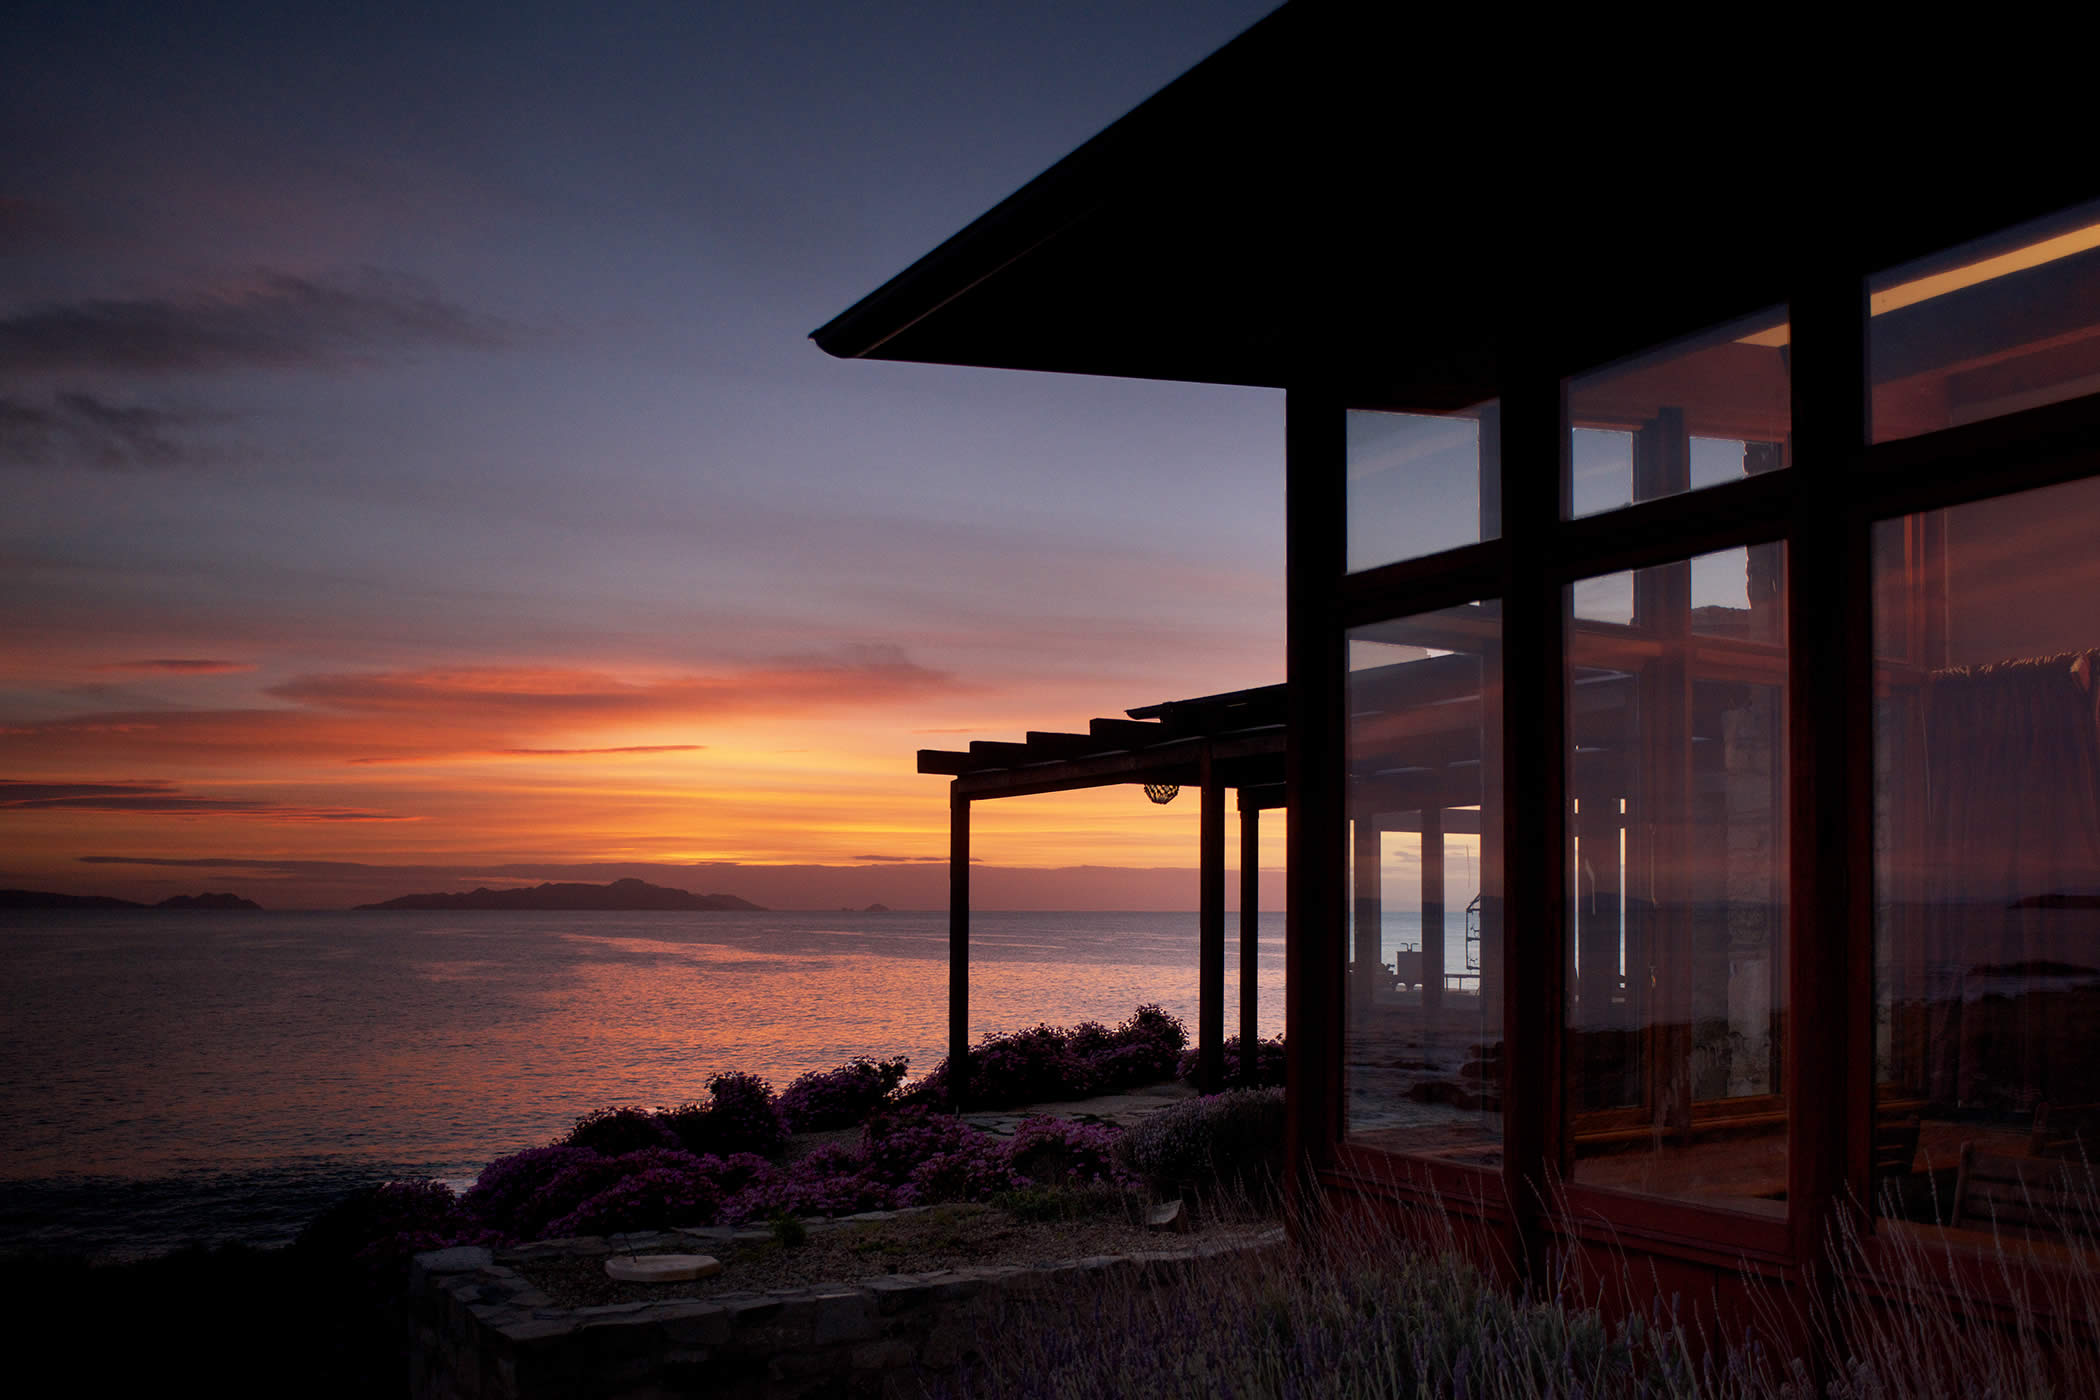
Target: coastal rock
x,y
44,899
224,900
619,895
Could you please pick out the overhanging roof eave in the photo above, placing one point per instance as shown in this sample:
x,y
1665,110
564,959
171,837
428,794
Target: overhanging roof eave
x,y
1124,157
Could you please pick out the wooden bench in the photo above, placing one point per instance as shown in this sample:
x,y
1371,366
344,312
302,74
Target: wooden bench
x,y
2067,1130
2037,1197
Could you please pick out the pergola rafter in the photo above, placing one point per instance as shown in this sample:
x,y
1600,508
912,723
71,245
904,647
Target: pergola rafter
x,y
1212,743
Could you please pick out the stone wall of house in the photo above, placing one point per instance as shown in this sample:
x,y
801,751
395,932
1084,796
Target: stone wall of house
x,y
483,1332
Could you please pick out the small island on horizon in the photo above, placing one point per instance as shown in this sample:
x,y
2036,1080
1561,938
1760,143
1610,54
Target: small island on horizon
x,y
620,894
44,899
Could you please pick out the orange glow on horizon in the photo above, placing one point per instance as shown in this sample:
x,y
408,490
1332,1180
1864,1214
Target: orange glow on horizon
x,y
784,765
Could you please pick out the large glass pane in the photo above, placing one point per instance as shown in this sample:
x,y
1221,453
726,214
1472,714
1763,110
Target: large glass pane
x,y
1676,928
1420,482
1698,412
2001,324
1424,1035
1987,853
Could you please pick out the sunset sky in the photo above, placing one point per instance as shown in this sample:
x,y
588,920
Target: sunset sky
x,y
416,472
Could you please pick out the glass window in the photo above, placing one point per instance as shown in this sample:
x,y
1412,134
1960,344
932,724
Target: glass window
x,y
1987,855
1695,413
1424,1039
1676,928
1995,326
1420,482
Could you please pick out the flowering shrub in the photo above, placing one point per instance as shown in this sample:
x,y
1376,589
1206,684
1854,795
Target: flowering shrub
x,y
650,1199
830,1181
1268,1064
1054,1152
500,1195
739,1170
894,1145
1149,1042
974,1171
378,1229
532,1195
627,1169
1048,1062
842,1097
741,1115
612,1131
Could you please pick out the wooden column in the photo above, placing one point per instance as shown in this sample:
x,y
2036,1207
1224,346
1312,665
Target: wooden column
x,y
1830,741
958,947
1528,873
1316,834
1369,920
1432,907
1210,981
1250,938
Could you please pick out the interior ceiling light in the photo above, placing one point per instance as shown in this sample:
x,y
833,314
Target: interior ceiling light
x,y
1954,279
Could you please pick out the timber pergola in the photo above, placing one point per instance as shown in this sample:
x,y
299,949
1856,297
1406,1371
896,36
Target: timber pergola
x,y
1212,743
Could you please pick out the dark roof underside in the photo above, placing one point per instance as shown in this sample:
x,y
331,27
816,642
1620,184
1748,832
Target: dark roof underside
x,y
1351,194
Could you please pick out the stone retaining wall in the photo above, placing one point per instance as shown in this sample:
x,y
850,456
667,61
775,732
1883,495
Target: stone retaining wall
x,y
483,1332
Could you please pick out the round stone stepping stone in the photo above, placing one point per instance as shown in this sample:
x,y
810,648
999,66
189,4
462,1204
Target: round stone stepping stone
x,y
662,1268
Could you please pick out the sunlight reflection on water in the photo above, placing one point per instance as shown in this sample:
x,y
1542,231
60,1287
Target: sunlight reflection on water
x,y
141,1045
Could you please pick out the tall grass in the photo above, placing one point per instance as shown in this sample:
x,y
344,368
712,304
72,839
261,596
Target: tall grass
x,y
1351,1310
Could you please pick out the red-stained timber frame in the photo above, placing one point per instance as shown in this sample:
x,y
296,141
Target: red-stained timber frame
x,y
1823,508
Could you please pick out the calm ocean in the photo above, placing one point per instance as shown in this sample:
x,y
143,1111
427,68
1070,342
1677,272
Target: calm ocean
x,y
167,1077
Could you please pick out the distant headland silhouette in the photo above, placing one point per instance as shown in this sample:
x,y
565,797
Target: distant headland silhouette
x,y
43,899
620,894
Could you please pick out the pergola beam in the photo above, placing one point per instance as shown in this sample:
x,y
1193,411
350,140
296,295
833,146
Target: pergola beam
x,y
1178,762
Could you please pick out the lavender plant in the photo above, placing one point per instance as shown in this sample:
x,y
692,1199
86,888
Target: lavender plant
x,y
1232,1140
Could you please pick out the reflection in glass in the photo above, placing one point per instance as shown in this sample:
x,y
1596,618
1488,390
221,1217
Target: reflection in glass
x,y
1992,327
1987,846
1699,412
1424,1036
1420,482
1676,928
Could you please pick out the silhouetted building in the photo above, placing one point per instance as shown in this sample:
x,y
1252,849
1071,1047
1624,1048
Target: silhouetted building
x,y
1694,780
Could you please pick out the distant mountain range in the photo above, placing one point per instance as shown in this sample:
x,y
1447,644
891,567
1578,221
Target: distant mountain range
x,y
620,894
41,899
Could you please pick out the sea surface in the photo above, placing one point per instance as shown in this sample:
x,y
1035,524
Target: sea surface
x,y
169,1077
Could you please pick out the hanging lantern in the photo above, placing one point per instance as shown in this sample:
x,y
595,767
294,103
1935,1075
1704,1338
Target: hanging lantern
x,y
1162,793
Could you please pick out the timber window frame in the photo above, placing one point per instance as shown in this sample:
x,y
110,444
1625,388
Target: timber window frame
x,y
1822,508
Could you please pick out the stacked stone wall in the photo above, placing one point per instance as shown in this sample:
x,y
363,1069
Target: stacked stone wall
x,y
483,1332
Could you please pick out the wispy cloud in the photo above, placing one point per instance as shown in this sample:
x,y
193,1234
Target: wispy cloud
x,y
624,748
277,321
547,695
178,665
155,797
73,429
546,753
901,860
468,712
